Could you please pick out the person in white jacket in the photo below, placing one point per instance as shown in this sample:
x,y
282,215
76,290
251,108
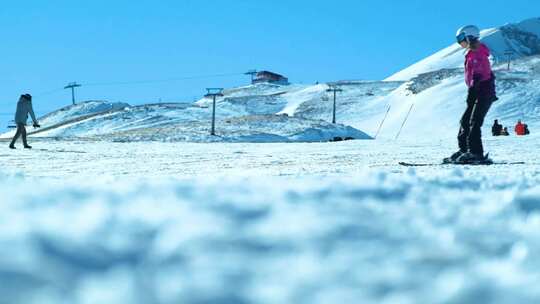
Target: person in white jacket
x,y
24,107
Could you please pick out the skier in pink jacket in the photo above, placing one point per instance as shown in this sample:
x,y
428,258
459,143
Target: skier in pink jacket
x,y
481,84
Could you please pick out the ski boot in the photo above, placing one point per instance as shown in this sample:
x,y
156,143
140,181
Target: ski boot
x,y
453,158
12,147
27,147
473,159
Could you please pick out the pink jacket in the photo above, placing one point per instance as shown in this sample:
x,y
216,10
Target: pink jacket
x,y
477,65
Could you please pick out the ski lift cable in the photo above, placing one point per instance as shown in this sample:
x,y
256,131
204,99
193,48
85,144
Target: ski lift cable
x,y
46,93
161,80
41,94
50,92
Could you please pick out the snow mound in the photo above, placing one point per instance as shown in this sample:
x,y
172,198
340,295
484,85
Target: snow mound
x,y
251,128
81,109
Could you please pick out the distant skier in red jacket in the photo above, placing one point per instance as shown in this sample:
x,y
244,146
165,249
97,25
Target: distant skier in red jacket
x,y
481,94
520,128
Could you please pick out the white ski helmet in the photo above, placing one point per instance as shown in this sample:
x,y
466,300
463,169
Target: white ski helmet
x,y
468,33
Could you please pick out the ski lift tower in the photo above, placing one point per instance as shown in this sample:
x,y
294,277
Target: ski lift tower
x,y
213,93
253,73
72,86
332,87
509,54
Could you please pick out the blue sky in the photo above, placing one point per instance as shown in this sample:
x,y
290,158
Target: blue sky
x,y
46,44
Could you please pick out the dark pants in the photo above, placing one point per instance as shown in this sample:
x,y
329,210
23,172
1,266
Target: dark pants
x,y
470,134
21,130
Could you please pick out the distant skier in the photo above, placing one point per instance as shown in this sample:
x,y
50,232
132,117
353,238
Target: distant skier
x,y
504,132
497,128
480,81
520,128
24,107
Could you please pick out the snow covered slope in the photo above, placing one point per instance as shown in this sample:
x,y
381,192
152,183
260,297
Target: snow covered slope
x,y
73,112
243,114
523,39
438,100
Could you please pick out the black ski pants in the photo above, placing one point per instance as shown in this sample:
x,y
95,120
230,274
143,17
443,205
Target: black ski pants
x,y
470,134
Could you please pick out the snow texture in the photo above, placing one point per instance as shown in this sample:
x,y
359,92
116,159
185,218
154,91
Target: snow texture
x,y
149,222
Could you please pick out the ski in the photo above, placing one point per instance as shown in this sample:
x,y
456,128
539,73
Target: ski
x,y
407,164
59,151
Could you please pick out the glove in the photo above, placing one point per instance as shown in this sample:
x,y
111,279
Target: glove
x,y
36,125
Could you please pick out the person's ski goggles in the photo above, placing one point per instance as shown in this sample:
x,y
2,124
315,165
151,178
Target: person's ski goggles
x,y
461,37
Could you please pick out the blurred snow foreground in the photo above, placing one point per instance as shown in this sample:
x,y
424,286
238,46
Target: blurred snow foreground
x,y
256,223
